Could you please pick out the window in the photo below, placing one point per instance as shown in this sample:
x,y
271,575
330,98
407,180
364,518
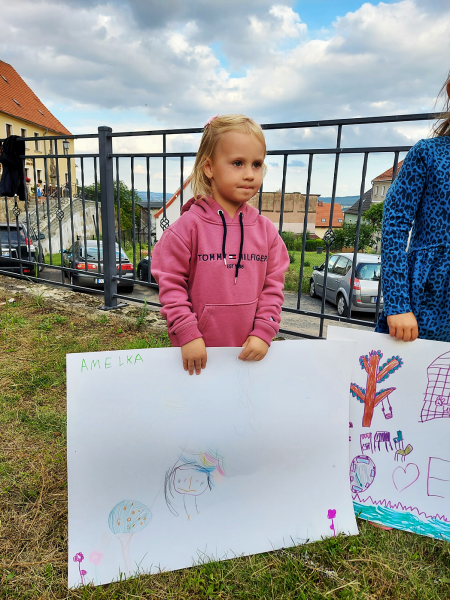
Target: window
x,y
27,173
51,146
36,142
383,187
8,129
369,272
342,266
331,262
339,220
14,100
376,190
40,112
66,177
3,77
323,220
39,175
23,133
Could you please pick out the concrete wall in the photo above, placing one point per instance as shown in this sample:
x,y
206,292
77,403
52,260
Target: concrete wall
x,y
66,222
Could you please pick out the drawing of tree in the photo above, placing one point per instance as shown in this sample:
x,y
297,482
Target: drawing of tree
x,y
375,375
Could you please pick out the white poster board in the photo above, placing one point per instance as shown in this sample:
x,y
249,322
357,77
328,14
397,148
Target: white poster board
x,y
400,432
166,470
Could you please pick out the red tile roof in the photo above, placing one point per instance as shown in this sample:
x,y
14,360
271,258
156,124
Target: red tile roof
x,y
387,175
18,100
323,212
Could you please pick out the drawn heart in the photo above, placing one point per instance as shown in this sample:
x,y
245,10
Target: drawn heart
x,y
404,477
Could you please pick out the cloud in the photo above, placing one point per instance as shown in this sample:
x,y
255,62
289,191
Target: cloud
x,y
173,62
275,165
297,163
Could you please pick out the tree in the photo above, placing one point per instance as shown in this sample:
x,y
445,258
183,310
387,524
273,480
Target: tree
x,y
375,374
126,203
374,216
345,236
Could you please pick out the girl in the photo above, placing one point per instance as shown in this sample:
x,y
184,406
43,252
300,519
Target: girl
x,y
220,266
416,284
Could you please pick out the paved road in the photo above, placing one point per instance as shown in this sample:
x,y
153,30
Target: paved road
x,y
301,323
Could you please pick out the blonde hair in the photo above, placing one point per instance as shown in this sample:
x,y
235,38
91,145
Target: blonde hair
x,y
200,183
442,127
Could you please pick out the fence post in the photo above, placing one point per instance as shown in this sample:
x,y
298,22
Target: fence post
x,y
108,220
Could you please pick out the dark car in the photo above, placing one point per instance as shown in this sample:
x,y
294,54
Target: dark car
x,y
85,258
17,244
142,270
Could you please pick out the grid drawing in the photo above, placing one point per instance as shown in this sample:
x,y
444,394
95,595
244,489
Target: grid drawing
x,y
436,403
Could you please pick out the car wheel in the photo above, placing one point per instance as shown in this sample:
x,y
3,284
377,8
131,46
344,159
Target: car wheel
x,y
341,306
41,260
128,289
139,274
312,289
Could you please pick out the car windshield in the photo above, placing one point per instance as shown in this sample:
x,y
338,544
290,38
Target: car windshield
x,y
369,272
12,236
92,253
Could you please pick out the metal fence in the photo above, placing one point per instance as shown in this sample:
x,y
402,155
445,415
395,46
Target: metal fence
x,y
77,212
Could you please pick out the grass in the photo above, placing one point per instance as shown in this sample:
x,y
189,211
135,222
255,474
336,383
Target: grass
x,y
34,339
312,259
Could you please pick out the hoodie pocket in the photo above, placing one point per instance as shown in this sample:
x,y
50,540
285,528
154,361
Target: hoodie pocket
x,y
227,324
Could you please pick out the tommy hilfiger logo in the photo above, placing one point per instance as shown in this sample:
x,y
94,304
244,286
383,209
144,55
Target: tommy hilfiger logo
x,y
218,256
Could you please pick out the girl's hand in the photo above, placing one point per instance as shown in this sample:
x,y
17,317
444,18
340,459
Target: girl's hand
x,y
254,348
194,356
403,327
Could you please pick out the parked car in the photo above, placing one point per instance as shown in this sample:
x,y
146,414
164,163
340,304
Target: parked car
x,y
142,270
75,258
339,268
15,243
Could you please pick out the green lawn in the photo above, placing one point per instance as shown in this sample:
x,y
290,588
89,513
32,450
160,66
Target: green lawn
x,y
312,259
35,336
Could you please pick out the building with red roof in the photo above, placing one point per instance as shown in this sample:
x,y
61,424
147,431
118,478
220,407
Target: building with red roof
x,y
22,113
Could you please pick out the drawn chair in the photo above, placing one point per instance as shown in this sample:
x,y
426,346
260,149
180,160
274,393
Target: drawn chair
x,y
380,437
365,440
404,453
398,441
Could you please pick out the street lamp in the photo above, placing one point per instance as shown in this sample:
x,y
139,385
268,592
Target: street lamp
x,y
66,146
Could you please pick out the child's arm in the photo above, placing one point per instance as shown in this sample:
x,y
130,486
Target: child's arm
x,y
400,208
270,301
170,267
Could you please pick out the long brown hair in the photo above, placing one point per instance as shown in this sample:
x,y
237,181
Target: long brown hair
x,y
442,127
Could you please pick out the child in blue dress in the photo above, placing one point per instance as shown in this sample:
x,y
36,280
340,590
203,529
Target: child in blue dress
x,y
416,282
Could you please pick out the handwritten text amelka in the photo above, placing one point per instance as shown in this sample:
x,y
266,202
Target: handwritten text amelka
x,y
110,362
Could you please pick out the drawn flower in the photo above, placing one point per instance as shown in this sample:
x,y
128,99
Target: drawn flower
x,y
331,513
78,557
83,573
95,557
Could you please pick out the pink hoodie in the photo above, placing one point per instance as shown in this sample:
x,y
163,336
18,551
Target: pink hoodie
x,y
223,299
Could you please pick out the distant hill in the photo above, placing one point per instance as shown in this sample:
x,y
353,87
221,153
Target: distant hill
x,y
344,201
154,196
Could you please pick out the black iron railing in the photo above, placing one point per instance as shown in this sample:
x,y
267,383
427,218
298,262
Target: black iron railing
x,y
71,213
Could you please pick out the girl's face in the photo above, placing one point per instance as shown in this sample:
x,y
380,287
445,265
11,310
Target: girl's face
x,y
235,170
188,480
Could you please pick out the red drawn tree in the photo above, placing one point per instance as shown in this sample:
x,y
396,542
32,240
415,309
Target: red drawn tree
x,y
375,375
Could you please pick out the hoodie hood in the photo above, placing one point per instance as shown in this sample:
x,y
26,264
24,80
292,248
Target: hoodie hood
x,y
209,210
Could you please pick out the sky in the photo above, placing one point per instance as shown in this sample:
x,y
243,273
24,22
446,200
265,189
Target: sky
x,y
141,64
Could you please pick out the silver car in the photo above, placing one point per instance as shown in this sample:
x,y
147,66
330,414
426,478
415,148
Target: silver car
x,y
339,269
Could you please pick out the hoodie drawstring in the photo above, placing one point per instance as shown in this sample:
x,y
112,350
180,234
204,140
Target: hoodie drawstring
x,y
224,239
241,221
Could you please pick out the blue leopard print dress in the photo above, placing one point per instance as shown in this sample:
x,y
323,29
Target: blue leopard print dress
x,y
418,280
